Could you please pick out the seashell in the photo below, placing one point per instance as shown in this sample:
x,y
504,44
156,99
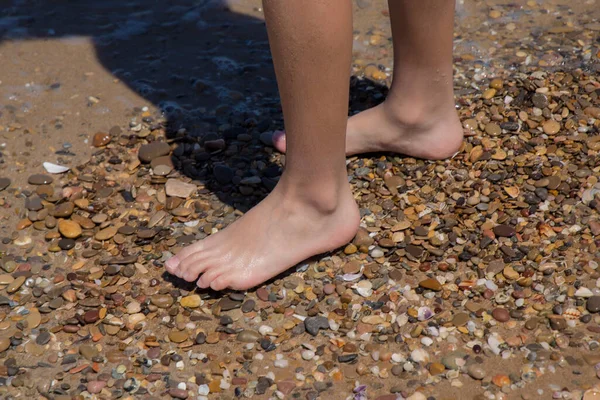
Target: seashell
x,y
364,288
572,314
55,168
424,313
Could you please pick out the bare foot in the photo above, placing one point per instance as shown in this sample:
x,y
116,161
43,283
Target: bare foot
x,y
275,235
434,135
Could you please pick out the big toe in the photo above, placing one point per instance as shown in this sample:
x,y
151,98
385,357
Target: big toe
x,y
279,141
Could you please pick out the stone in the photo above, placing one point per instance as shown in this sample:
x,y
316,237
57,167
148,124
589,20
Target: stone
x,y
227,304
177,188
178,336
69,229
95,387
149,152
436,368
4,343
557,323
551,127
63,210
504,231
101,139
177,393
223,173
248,336
431,284
66,244
593,304
248,306
476,372
4,183
40,179
314,324
192,301
106,233
162,300
88,351
501,314
15,285
460,319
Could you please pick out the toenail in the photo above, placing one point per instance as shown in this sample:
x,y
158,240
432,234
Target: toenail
x,y
171,262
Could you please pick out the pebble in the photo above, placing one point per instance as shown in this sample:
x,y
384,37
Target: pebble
x,y
149,152
501,314
40,179
101,139
314,324
593,304
476,372
177,188
4,183
431,284
69,229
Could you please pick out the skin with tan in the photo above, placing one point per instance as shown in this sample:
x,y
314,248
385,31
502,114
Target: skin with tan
x,y
311,210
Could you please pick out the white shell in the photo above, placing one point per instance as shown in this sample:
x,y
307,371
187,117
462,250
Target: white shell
x,y
55,168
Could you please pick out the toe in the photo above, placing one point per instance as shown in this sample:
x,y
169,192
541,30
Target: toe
x,y
171,264
208,276
188,251
279,141
220,283
194,262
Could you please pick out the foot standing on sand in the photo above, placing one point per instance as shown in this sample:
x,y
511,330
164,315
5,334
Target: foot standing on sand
x,y
311,210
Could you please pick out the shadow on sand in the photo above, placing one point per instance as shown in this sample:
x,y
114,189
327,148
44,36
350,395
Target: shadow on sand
x,y
207,68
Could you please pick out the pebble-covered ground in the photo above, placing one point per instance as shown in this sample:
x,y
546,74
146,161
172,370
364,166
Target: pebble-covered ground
x,y
129,129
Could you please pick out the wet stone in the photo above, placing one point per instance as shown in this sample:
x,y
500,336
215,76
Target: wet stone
x,y
101,139
148,152
40,179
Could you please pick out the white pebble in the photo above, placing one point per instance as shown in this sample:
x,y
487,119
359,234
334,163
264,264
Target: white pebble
x,y
419,355
258,356
308,355
203,390
426,341
180,365
281,363
182,386
265,329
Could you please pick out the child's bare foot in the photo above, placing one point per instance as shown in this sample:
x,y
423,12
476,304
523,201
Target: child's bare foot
x,y
430,134
277,234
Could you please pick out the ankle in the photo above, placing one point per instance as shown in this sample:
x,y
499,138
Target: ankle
x,y
325,198
416,113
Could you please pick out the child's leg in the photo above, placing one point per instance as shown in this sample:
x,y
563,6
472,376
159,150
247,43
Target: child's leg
x,y
418,117
312,209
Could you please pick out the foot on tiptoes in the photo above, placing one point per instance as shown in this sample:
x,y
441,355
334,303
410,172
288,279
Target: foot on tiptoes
x,y
277,234
432,135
